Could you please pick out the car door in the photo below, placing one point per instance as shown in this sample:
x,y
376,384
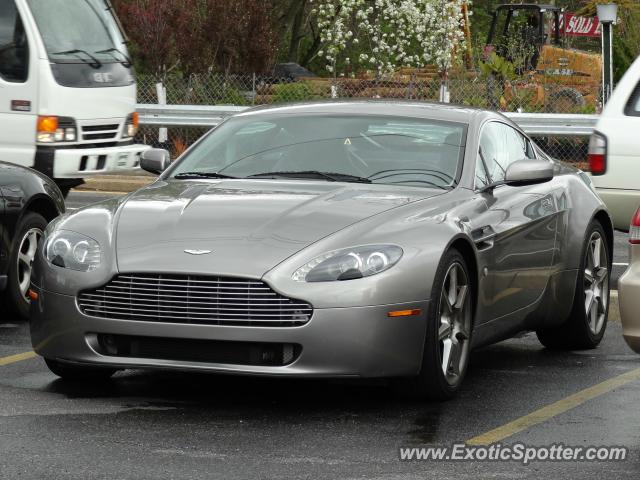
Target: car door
x,y
515,234
18,89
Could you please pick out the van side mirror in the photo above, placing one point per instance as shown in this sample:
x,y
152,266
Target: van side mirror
x,y
155,160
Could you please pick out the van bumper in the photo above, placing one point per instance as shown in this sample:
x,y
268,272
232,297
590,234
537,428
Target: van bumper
x,y
72,163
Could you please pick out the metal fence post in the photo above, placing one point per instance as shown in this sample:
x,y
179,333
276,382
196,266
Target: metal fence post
x,y
161,91
253,90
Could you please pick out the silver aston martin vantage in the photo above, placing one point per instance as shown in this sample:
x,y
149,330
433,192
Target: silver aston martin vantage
x,y
354,239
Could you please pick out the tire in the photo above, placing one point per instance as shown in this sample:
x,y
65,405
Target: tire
x,y
585,326
449,328
78,372
23,250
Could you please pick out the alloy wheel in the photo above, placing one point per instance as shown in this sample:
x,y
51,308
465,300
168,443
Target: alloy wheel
x,y
596,282
455,323
26,256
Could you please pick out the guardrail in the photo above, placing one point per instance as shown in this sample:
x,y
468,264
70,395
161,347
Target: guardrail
x,y
536,124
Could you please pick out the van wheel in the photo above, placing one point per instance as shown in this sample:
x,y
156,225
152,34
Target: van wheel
x,y
23,253
587,322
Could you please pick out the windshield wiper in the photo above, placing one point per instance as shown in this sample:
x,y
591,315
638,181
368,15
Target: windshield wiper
x,y
95,63
125,61
187,175
329,176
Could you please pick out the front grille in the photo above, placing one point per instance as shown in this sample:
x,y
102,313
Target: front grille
x,y
98,128
195,300
99,132
196,350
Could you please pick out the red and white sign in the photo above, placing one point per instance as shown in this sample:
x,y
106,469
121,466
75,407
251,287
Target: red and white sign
x,y
573,26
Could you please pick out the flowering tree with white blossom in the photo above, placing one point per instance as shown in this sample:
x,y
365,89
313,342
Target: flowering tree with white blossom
x,y
390,33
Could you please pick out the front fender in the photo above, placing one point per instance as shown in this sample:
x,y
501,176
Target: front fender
x,y
423,238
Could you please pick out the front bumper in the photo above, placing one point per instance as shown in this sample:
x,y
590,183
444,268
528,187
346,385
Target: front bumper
x,y
336,342
629,299
63,163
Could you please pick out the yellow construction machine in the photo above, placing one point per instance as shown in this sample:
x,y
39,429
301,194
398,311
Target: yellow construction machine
x,y
534,38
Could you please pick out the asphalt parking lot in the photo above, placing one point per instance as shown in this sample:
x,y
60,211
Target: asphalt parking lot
x,y
147,425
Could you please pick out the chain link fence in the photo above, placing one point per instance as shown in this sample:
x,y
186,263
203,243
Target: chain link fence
x,y
533,93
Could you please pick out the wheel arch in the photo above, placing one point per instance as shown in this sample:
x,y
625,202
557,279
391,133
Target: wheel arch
x,y
42,205
468,251
604,219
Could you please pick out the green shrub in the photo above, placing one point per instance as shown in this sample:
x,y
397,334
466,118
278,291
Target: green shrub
x,y
293,92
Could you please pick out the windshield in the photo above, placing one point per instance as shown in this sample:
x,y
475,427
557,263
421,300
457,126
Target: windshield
x,y
386,150
77,31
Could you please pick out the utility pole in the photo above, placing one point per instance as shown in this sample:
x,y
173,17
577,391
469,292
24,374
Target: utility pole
x,y
607,14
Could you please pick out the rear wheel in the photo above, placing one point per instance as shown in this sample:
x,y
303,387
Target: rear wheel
x,y
23,253
78,372
448,336
588,319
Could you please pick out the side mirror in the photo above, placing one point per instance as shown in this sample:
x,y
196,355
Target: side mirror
x,y
528,172
155,160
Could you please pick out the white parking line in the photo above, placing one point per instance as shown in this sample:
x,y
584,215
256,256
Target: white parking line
x,y
621,264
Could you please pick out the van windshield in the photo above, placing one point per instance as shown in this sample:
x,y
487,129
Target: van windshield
x,y
78,31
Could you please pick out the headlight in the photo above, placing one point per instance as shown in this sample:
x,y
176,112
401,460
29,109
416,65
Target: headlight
x,y
72,250
131,125
349,263
53,129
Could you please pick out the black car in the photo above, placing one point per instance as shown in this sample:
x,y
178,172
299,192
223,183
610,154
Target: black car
x,y
28,202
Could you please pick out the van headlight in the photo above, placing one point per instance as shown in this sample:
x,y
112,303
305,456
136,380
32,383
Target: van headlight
x,y
72,250
131,125
349,263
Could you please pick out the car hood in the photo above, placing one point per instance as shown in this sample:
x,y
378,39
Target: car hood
x,y
241,227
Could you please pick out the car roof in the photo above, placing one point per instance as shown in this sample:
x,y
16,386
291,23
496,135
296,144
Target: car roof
x,y
396,108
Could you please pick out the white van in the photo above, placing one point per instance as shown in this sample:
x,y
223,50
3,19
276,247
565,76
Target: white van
x,y
614,150
67,89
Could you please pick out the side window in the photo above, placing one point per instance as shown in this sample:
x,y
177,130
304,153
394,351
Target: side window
x,y
14,49
500,146
633,106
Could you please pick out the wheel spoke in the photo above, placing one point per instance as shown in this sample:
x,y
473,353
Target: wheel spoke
x,y
446,354
24,283
594,315
590,256
588,276
454,358
461,298
447,304
588,301
453,285
444,331
24,259
597,252
601,274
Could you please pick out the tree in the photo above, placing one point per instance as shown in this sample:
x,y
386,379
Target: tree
x,y
390,33
195,36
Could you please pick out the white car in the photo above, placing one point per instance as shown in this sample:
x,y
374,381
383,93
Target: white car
x,y
614,150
